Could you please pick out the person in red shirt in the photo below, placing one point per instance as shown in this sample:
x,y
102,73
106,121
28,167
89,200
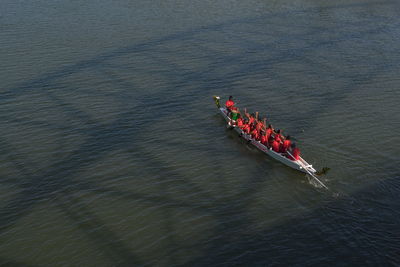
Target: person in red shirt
x,y
295,152
286,144
276,146
255,134
246,127
270,140
269,130
252,119
264,138
278,137
259,125
229,103
240,122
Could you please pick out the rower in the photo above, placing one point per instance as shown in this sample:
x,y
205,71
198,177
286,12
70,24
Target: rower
x,y
295,152
269,130
278,137
276,146
251,116
259,125
246,127
264,138
270,141
255,134
240,121
286,144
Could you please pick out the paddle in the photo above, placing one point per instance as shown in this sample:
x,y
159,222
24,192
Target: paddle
x,y
312,175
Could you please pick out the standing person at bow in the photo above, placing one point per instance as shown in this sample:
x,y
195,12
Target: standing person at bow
x,y
229,104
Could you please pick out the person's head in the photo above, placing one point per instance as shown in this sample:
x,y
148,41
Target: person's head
x,y
252,114
270,126
278,131
230,97
288,137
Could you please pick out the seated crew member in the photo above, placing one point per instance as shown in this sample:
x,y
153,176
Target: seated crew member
x,y
254,134
264,138
264,124
269,130
252,118
295,152
278,137
270,140
276,146
246,127
240,121
249,116
259,125
286,144
253,126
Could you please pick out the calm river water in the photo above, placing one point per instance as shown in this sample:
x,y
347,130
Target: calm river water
x,y
113,153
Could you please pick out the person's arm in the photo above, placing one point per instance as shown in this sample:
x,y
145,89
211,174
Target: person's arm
x,y
264,124
245,113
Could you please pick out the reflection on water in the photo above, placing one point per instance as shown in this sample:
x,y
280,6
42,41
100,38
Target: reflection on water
x,y
113,153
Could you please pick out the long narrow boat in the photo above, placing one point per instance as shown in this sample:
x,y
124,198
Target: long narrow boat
x,y
300,165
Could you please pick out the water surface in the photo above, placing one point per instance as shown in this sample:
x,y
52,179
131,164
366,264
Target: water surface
x,y
114,154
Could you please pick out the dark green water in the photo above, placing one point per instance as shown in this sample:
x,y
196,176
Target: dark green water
x,y
113,152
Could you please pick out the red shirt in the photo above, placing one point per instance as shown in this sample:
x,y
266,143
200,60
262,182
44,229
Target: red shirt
x,y
229,104
269,132
240,123
296,153
264,139
246,128
251,120
255,134
270,140
286,145
275,146
259,125
278,138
